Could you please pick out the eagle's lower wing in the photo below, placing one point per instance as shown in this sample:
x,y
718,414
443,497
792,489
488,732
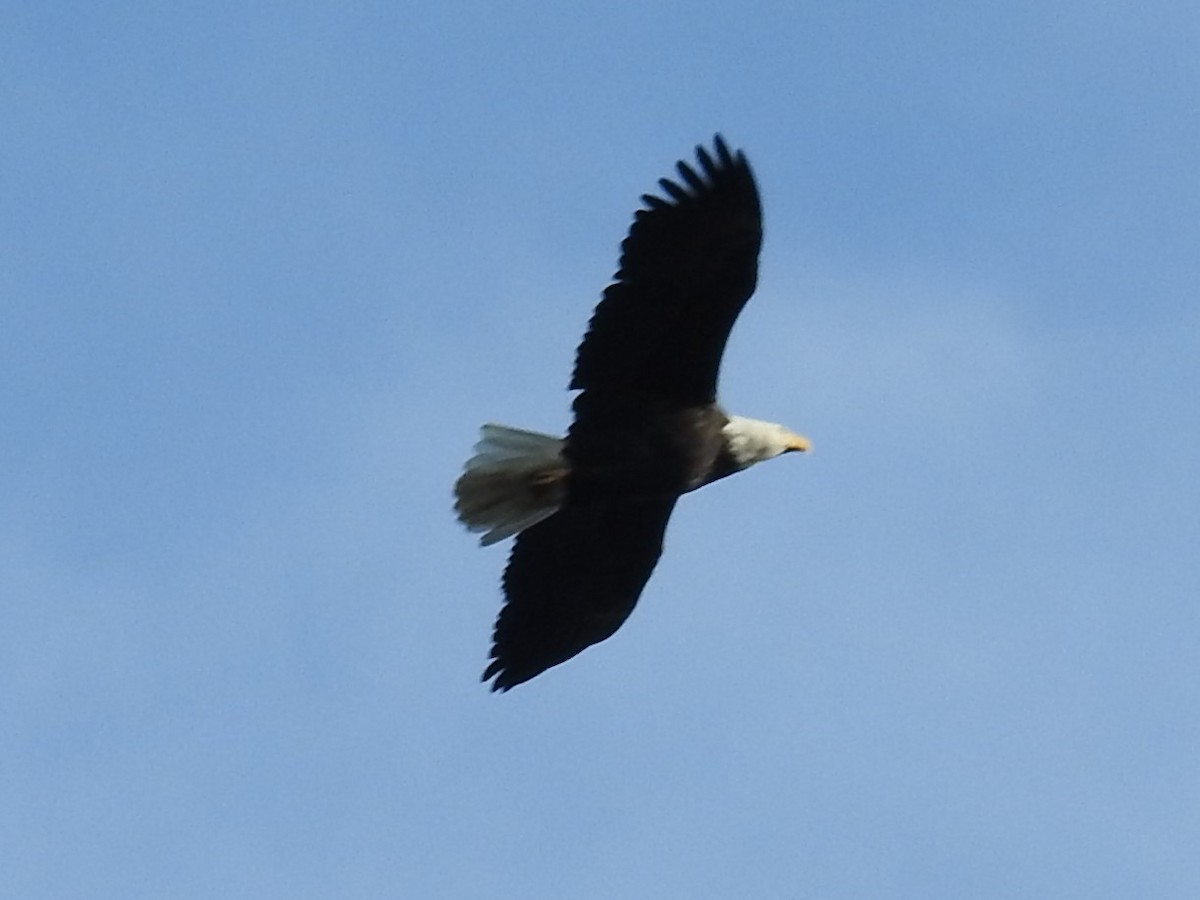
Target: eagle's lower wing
x,y
571,581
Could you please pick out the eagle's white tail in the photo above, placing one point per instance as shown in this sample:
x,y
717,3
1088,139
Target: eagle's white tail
x,y
515,479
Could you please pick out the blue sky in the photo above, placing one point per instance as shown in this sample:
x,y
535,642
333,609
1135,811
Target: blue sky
x,y
266,269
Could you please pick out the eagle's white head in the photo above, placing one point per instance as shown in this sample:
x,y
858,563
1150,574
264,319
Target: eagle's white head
x,y
752,441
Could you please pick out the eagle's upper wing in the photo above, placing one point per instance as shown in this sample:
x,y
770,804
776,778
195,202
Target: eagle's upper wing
x,y
687,268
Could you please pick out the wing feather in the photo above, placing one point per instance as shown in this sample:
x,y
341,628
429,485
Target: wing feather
x,y
678,194
688,174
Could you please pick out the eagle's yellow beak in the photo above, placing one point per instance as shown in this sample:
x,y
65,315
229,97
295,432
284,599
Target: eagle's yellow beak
x,y
799,442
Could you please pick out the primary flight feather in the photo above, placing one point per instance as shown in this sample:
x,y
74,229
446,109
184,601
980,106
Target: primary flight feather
x,y
589,511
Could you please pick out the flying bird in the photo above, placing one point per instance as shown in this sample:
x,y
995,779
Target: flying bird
x,y
589,511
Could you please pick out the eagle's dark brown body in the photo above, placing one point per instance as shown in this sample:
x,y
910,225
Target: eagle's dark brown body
x,y
640,445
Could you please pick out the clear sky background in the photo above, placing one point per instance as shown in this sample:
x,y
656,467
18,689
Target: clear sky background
x,y
265,269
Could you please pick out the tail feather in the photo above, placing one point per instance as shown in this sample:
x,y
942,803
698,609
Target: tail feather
x,y
516,479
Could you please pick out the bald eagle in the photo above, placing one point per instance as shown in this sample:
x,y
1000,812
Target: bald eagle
x,y
589,511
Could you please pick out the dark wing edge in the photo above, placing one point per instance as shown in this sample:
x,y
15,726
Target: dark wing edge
x,y
572,581
688,266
